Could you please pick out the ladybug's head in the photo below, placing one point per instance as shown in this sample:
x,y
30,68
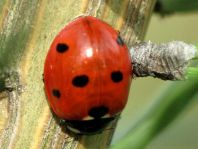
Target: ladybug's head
x,y
97,121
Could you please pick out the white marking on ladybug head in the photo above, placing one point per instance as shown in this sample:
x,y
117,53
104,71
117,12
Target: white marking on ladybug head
x,y
88,118
106,116
92,118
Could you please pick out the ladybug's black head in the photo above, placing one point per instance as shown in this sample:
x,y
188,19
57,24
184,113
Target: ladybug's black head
x,y
94,125
88,126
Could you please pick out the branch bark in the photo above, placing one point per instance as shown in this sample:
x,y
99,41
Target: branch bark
x,y
167,61
26,31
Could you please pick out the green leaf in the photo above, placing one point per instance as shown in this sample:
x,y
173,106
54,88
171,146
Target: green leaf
x,y
166,108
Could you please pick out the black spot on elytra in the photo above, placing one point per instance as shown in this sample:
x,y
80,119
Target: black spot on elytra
x,y
98,112
80,81
62,47
120,41
56,93
116,76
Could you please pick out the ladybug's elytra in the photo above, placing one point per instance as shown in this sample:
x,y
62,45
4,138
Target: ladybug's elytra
x,y
87,74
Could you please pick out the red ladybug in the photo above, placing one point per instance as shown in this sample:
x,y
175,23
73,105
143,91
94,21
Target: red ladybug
x,y
87,74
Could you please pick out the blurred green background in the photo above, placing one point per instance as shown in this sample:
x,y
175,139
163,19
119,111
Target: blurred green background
x,y
182,133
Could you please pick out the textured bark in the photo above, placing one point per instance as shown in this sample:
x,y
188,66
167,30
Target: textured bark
x,y
26,31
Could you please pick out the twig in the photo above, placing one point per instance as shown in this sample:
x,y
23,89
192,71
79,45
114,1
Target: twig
x,y
167,61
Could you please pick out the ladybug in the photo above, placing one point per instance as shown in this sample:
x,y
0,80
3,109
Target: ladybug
x,y
87,75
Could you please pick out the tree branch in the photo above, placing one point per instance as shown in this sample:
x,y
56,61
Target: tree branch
x,y
167,61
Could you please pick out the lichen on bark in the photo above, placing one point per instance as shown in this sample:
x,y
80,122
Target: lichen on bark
x,y
167,61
